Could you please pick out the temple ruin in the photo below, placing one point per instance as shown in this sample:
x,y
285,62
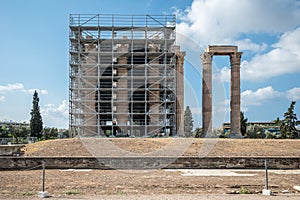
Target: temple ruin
x,y
126,76
235,97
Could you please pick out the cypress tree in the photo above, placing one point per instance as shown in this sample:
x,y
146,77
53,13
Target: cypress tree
x,y
188,122
243,123
288,127
36,122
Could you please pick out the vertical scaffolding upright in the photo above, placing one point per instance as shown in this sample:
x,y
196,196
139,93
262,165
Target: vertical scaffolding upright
x,y
124,76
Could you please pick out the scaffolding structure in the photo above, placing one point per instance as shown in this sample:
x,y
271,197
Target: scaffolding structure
x,y
124,76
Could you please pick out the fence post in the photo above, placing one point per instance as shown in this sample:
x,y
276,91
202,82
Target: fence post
x,y
266,191
43,193
43,176
266,171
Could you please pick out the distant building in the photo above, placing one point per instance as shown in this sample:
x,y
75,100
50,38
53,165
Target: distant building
x,y
272,127
14,124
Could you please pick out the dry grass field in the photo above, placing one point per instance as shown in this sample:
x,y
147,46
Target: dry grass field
x,y
164,146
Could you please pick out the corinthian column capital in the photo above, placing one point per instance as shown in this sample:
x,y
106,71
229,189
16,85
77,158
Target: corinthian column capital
x,y
180,57
235,59
206,57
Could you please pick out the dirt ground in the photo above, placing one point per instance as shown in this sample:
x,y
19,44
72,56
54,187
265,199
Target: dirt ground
x,y
74,184
118,184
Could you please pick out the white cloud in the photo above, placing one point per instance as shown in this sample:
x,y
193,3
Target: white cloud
x,y
247,44
222,75
293,94
2,98
11,87
44,91
284,58
56,115
259,96
216,22
20,87
251,98
40,91
262,95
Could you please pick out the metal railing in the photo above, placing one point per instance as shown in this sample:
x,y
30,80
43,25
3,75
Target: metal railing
x,y
107,20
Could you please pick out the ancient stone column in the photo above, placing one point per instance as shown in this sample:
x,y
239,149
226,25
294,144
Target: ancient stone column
x,y
235,102
89,70
153,94
121,104
180,93
206,58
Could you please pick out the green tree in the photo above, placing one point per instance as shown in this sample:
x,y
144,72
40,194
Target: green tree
x,y
288,125
64,134
277,121
188,122
198,133
50,133
255,131
19,132
243,123
36,122
4,132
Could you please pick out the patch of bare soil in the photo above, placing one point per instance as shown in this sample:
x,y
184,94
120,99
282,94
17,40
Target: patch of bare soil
x,y
163,147
78,184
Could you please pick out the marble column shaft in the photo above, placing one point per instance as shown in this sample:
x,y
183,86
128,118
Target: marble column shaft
x,y
235,95
206,93
180,93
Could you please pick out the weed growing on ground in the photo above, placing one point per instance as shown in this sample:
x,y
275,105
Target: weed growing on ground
x,y
72,192
30,193
119,193
244,191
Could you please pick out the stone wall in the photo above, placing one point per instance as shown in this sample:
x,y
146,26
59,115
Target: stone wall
x,y
13,163
10,150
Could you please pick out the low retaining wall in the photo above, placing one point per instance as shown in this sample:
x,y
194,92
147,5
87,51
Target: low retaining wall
x,y
9,150
14,163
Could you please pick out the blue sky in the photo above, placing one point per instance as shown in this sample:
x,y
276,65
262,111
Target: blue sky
x,y
34,53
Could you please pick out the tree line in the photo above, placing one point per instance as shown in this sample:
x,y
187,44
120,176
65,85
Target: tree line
x,y
287,127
